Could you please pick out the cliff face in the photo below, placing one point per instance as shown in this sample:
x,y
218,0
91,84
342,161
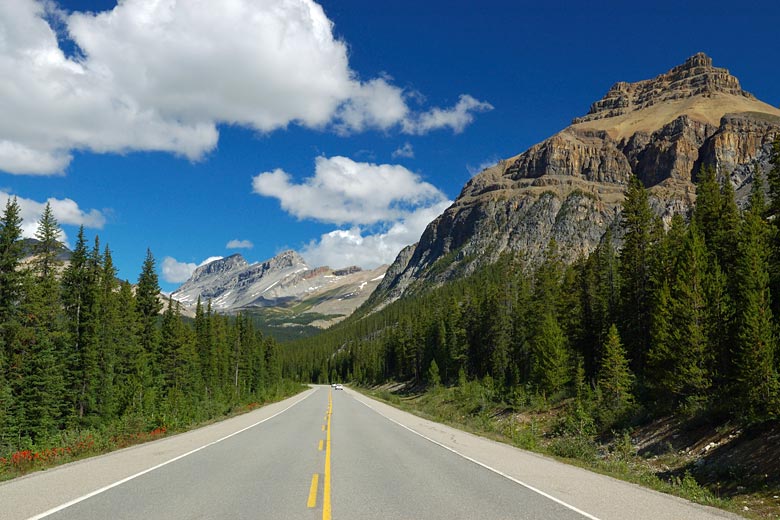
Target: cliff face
x,y
570,187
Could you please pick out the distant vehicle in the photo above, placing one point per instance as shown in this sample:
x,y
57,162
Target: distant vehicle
x,y
338,386
333,385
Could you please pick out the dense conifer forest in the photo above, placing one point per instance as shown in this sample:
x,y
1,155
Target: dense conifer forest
x,y
82,352
681,318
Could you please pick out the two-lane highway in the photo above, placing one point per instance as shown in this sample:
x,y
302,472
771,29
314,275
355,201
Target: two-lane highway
x,y
330,453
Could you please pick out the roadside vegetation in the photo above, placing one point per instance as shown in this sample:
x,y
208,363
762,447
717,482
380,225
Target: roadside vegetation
x,y
678,326
88,363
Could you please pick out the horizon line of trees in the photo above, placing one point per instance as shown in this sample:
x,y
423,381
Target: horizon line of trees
x,y
683,317
80,349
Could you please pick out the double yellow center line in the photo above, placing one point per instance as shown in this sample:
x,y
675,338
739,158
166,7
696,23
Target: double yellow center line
x,y
312,502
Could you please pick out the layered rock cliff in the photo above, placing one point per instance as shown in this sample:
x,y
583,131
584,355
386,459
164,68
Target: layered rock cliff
x,y
570,187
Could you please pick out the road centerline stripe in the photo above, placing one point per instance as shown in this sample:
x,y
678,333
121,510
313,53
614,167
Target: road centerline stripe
x,y
312,502
158,466
319,448
478,463
326,515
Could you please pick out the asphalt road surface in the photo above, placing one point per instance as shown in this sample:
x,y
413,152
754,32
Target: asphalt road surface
x,y
331,454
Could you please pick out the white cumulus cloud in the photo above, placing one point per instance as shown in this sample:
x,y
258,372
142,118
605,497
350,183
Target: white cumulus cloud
x,y
343,191
66,211
174,271
354,246
239,244
162,75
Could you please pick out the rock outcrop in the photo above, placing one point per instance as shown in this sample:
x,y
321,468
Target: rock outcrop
x,y
570,187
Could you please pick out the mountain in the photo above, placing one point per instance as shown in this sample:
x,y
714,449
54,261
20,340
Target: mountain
x,y
284,289
570,187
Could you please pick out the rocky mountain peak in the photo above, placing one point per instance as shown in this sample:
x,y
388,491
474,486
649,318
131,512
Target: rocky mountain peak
x,y
570,186
221,265
695,77
285,260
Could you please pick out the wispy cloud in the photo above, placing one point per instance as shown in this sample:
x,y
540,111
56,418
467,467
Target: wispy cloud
x,y
473,170
405,151
239,244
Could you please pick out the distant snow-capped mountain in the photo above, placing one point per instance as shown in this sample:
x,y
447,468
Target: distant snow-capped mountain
x,y
318,296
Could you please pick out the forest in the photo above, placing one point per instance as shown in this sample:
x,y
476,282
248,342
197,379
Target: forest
x,y
84,355
663,317
680,318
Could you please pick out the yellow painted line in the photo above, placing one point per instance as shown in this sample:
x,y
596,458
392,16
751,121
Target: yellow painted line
x,y
326,484
313,490
323,427
320,447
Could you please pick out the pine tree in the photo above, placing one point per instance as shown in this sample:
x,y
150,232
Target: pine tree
x,y
75,288
41,339
109,336
550,356
615,378
48,246
635,273
10,260
706,213
755,375
148,307
690,366
11,292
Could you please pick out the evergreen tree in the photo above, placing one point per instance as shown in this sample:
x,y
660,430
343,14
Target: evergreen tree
x,y
689,369
148,307
10,261
755,376
706,213
12,282
75,300
635,273
550,356
109,336
615,378
41,340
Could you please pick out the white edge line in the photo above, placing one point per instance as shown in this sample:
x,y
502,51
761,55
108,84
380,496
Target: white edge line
x,y
494,470
158,466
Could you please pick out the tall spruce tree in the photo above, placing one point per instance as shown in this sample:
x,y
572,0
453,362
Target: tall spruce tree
x,y
635,273
12,282
550,354
615,378
148,307
755,375
10,261
688,370
41,340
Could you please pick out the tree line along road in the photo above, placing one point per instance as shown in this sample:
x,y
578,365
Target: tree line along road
x,y
332,454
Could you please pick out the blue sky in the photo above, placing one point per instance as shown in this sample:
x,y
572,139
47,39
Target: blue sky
x,y
338,129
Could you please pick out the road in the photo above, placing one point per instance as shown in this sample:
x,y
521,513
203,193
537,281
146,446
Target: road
x,y
331,454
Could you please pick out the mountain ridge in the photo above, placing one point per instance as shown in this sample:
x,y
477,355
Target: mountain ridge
x,y
284,285
570,186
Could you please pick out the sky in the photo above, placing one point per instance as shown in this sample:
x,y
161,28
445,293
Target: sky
x,y
200,129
